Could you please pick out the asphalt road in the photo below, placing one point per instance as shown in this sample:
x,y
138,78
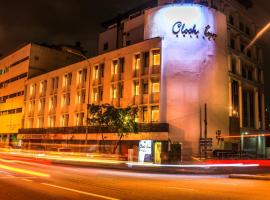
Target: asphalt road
x,y
27,181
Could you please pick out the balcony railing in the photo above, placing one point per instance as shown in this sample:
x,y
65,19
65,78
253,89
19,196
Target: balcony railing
x,y
151,127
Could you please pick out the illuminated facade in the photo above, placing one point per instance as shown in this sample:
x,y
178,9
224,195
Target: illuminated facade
x,y
25,62
170,60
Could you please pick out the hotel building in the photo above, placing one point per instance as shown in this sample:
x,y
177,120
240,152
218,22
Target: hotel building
x,y
170,59
15,68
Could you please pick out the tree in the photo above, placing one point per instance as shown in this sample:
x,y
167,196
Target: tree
x,y
124,122
119,120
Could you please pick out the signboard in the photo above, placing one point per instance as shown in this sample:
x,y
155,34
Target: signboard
x,y
145,151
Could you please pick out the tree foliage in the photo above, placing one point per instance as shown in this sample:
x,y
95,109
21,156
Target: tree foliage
x,y
120,120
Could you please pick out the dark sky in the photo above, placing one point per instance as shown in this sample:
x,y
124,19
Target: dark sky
x,y
68,21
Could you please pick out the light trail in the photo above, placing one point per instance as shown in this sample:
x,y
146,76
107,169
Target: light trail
x,y
194,165
258,35
24,171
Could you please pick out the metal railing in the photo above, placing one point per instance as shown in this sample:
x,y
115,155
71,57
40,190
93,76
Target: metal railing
x,y
149,127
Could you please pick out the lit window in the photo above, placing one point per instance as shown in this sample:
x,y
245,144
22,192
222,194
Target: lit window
x,y
115,67
95,96
96,72
155,114
156,57
137,62
145,114
137,89
155,87
65,119
79,119
114,93
32,89
52,121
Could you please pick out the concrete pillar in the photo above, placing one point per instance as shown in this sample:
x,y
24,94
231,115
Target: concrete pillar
x,y
240,104
256,108
230,98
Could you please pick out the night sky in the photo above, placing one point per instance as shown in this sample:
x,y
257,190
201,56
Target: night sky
x,y
69,21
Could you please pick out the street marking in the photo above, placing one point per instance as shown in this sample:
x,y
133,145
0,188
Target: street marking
x,y
80,192
24,171
181,188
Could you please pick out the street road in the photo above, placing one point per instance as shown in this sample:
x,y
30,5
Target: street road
x,y
26,181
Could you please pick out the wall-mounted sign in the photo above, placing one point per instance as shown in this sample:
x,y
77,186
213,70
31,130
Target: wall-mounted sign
x,y
181,28
145,151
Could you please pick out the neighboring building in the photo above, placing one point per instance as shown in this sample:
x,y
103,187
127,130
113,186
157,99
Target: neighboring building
x,y
170,60
25,62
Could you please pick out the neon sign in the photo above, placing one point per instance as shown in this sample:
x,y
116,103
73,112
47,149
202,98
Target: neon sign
x,y
182,28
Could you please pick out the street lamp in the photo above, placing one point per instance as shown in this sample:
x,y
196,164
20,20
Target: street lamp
x,y
88,98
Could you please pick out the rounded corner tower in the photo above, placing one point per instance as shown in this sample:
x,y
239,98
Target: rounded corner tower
x,y
193,71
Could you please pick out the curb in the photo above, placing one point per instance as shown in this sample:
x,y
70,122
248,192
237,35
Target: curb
x,y
248,176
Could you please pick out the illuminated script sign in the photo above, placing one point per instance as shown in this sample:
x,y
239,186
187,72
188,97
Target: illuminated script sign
x,y
181,28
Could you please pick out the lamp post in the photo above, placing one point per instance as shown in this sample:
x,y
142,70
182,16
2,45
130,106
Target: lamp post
x,y
88,96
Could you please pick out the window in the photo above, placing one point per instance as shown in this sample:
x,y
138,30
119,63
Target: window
x,y
42,87
101,94
65,119
249,53
155,114
105,46
145,88
115,67
81,97
137,62
145,114
242,47
235,98
53,103
114,93
137,89
95,95
155,87
96,72
81,77
52,120
232,43
233,65
231,20
156,57
241,26
67,81
41,105
122,64
247,30
40,122
30,122
66,99
146,59
54,84
121,90
102,70
32,90
79,119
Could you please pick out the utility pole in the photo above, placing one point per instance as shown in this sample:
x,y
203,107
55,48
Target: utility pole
x,y
205,130
200,146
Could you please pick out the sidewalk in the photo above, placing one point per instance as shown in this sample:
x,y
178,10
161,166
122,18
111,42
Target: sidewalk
x,y
264,177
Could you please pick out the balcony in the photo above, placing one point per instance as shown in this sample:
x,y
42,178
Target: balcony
x,y
137,100
155,97
155,69
145,99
